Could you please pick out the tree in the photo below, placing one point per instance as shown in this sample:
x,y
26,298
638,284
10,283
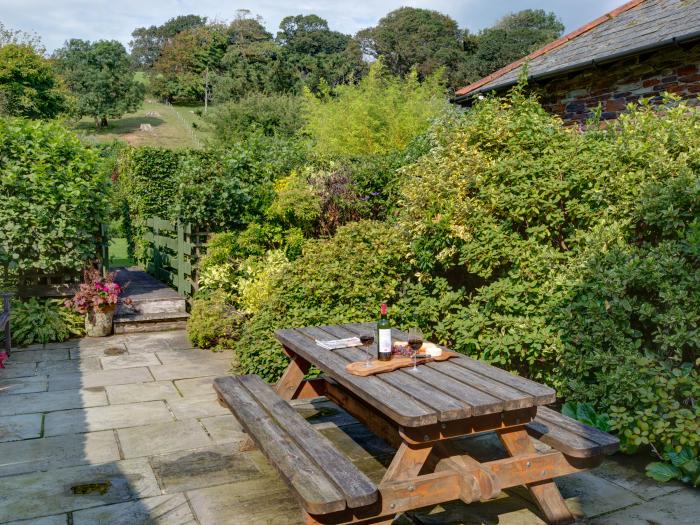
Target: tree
x,y
513,37
147,42
28,85
187,62
100,76
15,36
409,37
315,52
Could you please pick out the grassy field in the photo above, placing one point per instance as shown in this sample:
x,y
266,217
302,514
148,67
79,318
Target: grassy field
x,y
171,127
118,255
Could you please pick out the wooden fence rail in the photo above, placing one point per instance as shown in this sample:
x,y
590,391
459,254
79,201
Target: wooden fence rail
x,y
174,250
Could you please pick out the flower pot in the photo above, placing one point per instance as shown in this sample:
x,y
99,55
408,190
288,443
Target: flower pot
x,y
99,323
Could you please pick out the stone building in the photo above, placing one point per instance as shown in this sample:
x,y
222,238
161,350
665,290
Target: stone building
x,y
641,49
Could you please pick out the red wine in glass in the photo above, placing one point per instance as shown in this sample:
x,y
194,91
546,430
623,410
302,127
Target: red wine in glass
x,y
415,341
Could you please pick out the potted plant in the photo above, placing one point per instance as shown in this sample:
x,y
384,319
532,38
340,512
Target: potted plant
x,y
97,299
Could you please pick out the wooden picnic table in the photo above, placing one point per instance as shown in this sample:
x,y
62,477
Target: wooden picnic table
x,y
422,415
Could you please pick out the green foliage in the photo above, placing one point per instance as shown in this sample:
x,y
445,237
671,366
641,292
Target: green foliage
x,y
99,75
295,203
380,114
683,466
585,413
513,37
214,322
342,279
54,195
257,113
423,39
44,321
28,85
147,42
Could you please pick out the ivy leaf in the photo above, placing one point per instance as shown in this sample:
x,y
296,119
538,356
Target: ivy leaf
x,y
662,472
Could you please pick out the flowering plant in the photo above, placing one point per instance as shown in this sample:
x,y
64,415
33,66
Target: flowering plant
x,y
96,294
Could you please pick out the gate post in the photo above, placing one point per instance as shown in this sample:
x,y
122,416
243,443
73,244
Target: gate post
x,y
181,282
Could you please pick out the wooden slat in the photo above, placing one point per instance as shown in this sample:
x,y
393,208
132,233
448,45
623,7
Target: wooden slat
x,y
316,492
542,394
390,401
356,487
479,402
570,436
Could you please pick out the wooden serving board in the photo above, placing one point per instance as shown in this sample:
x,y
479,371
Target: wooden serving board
x,y
380,367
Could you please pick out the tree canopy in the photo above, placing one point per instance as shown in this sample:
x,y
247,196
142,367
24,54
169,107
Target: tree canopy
x,y
28,85
147,42
100,76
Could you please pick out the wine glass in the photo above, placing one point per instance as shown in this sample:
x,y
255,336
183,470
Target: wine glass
x,y
367,340
415,341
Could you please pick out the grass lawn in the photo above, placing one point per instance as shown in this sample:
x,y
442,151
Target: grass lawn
x,y
118,255
167,129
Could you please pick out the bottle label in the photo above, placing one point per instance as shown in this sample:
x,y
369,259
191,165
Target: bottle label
x,y
384,340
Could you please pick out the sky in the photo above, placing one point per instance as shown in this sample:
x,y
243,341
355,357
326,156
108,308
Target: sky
x,y
58,20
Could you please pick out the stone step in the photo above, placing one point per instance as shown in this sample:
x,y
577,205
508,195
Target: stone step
x,y
152,307
151,322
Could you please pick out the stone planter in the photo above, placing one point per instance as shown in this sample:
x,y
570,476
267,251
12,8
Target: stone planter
x,y
99,323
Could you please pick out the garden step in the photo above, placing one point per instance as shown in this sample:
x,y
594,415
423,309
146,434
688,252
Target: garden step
x,y
153,322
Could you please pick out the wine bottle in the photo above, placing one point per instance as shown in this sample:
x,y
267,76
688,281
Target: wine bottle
x,y
384,332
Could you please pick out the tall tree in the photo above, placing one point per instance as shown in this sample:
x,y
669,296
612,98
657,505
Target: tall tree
x,y
188,62
28,85
99,74
316,53
409,37
513,37
16,36
147,42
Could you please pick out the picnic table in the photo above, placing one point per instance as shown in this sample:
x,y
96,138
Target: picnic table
x,y
422,415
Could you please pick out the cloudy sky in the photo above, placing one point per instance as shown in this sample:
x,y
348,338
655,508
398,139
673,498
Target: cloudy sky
x,y
59,20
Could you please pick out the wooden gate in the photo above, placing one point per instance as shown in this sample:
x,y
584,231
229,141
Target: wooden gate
x,y
174,249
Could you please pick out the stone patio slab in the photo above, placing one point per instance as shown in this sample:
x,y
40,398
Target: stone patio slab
x,y
679,508
100,378
172,339
128,361
84,364
196,407
47,493
159,510
105,417
193,355
13,370
193,469
196,386
141,392
50,401
71,343
161,438
18,457
24,385
31,356
356,441
264,500
24,426
629,473
58,519
224,429
97,348
177,371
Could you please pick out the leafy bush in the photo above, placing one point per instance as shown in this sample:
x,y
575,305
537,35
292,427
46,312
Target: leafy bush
x,y
214,322
54,195
44,321
342,279
683,466
585,413
379,114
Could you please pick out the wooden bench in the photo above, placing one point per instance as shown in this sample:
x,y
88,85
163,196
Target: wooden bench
x,y
324,480
569,436
5,321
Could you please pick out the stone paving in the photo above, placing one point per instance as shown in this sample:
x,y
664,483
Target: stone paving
x,y
127,430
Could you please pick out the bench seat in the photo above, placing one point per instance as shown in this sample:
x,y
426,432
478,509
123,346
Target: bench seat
x,y
323,479
569,436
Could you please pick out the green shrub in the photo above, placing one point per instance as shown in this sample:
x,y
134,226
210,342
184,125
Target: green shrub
x,y
214,322
44,321
342,279
54,194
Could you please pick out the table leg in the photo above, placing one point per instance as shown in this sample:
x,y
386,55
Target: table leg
x,y
545,493
407,463
293,376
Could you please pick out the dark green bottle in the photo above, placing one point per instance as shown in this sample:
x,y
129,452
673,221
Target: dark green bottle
x,y
384,336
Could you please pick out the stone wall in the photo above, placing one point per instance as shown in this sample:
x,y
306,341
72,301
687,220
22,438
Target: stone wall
x,y
614,85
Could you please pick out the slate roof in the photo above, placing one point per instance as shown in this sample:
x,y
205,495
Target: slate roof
x,y
634,27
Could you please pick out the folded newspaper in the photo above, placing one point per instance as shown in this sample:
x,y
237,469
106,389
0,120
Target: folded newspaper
x,y
339,343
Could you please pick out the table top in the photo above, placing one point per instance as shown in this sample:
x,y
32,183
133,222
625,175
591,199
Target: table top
x,y
456,389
